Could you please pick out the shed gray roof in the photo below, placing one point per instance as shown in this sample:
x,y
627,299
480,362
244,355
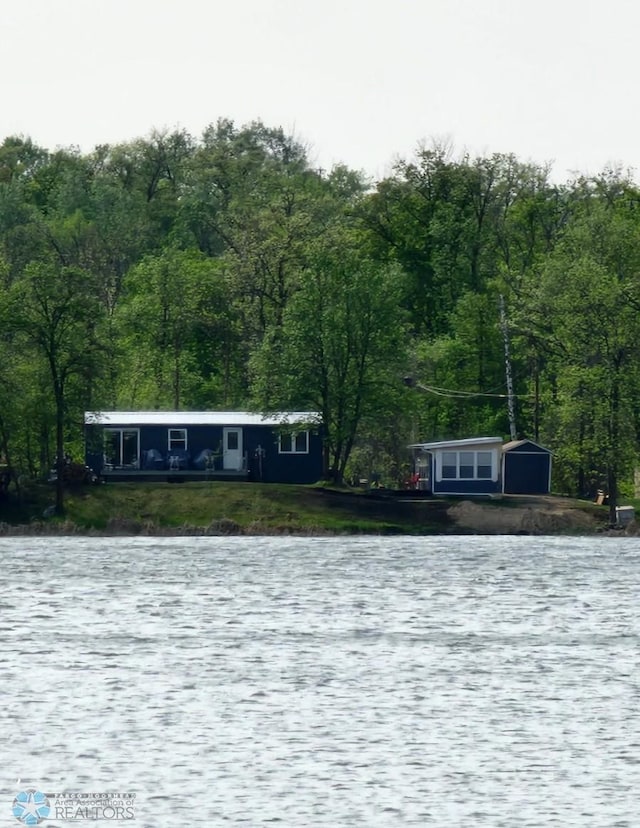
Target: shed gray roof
x,y
187,418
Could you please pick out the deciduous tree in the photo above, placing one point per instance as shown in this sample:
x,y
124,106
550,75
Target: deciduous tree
x,y
340,347
54,312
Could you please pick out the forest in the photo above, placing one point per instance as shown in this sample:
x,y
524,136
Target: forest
x,y
227,272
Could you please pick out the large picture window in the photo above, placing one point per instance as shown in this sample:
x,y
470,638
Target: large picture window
x,y
467,465
294,443
122,447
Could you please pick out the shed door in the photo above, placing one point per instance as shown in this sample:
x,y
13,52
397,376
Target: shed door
x,y
232,448
526,473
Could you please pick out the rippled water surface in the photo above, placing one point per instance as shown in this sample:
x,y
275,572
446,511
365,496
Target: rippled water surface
x,y
326,682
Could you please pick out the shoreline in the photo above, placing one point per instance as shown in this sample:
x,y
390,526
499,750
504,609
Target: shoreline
x,y
460,518
249,509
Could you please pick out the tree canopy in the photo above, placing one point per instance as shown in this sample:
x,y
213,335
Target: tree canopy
x,y
226,270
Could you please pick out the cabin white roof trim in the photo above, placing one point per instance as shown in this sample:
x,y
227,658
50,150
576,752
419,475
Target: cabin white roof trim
x,y
468,442
513,444
192,418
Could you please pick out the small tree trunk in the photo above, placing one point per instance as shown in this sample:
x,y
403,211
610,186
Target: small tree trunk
x,y
614,437
7,456
612,484
60,464
536,407
325,461
335,476
176,380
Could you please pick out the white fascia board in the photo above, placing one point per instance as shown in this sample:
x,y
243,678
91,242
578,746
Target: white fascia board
x,y
191,418
468,442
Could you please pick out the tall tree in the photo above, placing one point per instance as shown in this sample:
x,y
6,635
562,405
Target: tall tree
x,y
340,348
585,305
54,311
177,321
253,198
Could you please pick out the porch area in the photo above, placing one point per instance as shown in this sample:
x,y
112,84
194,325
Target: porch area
x,y
113,474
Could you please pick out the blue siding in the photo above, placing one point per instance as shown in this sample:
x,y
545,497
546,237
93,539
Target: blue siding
x,y
462,487
93,451
276,467
472,487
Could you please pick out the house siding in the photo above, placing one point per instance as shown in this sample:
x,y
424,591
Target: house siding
x,y
465,487
276,467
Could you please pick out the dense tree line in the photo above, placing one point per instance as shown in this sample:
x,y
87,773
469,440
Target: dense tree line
x,y
227,272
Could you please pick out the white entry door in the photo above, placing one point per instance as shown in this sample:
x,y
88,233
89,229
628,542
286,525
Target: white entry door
x,y
232,448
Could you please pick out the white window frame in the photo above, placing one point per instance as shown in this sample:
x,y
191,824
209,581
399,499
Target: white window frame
x,y
475,453
293,435
171,439
121,431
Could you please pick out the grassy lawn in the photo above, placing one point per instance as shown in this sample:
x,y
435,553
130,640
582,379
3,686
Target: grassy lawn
x,y
268,508
253,507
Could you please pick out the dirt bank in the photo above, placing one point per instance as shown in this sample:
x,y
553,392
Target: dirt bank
x,y
527,516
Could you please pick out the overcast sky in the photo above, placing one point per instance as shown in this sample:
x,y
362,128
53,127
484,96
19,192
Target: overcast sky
x,y
358,81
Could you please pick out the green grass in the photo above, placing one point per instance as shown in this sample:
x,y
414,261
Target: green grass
x,y
253,507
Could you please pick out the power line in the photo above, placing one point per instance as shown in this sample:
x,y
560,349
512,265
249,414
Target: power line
x,y
457,394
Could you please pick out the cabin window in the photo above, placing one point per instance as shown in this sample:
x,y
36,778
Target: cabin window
x,y
122,447
484,466
449,465
177,439
296,442
467,465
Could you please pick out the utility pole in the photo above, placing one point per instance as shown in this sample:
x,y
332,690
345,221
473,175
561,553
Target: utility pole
x,y
507,364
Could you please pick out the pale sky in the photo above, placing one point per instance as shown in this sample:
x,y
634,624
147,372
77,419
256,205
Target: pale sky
x,y
360,82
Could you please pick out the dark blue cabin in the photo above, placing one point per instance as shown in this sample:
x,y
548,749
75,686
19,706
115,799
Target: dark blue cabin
x,y
192,445
482,466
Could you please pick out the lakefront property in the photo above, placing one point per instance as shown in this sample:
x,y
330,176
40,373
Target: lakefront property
x,y
285,447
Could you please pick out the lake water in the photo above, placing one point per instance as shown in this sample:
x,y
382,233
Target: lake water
x,y
471,681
